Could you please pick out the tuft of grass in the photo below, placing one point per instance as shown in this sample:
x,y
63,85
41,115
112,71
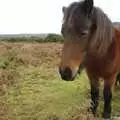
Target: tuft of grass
x,y
4,63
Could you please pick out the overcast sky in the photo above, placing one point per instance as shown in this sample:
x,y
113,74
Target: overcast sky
x,y
42,16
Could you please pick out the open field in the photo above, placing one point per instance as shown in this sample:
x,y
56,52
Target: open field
x,y
31,88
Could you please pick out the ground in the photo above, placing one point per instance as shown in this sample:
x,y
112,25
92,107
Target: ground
x,y
31,88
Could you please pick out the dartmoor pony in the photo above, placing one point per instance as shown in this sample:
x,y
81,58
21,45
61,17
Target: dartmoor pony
x,y
91,39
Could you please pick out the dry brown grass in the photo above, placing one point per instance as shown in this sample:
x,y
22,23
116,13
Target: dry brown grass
x,y
15,54
33,53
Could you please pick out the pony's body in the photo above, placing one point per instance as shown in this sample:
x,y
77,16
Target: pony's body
x,y
92,39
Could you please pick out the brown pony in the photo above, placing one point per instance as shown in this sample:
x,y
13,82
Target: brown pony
x,y
91,39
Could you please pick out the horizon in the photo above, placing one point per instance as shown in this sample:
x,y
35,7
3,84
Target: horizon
x,y
42,17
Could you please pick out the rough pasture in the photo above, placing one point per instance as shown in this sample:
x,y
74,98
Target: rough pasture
x,y
31,89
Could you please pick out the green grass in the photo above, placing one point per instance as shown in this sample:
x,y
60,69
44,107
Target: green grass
x,y
38,93
38,96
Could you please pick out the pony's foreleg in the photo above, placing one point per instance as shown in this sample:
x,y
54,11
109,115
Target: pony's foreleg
x,y
94,96
94,84
107,92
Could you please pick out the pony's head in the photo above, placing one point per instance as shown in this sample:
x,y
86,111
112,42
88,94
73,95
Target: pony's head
x,y
85,28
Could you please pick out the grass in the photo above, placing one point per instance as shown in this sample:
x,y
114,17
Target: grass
x,y
33,90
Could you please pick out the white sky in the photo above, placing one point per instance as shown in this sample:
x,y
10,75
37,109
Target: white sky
x,y
42,16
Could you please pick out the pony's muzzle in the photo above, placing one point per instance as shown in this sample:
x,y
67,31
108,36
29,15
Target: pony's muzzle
x,y
67,74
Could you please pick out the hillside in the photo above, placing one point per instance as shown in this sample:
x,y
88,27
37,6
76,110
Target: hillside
x,y
22,35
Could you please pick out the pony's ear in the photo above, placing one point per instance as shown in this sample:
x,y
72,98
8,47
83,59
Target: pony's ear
x,y
64,9
88,6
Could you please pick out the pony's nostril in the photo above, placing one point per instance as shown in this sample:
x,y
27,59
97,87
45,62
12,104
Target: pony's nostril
x,y
66,73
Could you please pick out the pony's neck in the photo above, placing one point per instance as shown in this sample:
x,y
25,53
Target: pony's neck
x,y
109,51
